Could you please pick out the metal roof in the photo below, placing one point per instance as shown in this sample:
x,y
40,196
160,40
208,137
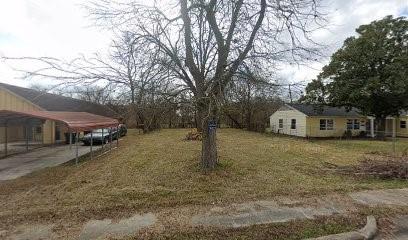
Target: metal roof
x,y
75,121
54,102
323,110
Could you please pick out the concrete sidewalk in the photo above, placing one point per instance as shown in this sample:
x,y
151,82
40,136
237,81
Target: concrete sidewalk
x,y
233,216
22,164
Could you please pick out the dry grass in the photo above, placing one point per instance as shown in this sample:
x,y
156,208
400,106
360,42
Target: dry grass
x,y
160,170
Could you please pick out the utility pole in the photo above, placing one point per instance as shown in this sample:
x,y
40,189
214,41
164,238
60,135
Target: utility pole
x,y
290,93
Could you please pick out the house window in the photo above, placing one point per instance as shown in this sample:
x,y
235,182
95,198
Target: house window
x,y
322,124
353,124
326,124
403,124
280,123
330,124
293,124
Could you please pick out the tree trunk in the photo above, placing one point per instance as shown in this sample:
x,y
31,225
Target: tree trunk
x,y
235,123
209,156
142,121
248,119
199,118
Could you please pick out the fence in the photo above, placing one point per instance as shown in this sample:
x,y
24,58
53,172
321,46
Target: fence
x,y
17,139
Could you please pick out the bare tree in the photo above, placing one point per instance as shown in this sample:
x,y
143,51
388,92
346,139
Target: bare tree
x,y
198,45
133,73
207,40
251,96
95,94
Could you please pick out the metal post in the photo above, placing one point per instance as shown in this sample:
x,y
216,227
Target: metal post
x,y
26,133
76,143
70,139
110,138
103,139
117,137
372,127
42,134
5,139
394,128
394,134
91,145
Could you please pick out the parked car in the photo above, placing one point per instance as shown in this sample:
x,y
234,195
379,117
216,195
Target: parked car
x,y
100,136
122,130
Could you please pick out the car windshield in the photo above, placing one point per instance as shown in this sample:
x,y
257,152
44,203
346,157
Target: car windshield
x,y
105,130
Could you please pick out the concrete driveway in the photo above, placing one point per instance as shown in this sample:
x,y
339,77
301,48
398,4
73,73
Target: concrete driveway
x,y
22,164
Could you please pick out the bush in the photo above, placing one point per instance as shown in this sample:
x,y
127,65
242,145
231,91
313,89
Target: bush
x,y
362,134
348,134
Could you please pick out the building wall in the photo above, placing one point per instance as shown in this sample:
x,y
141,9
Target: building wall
x,y
9,101
12,102
14,133
287,115
402,132
339,126
49,132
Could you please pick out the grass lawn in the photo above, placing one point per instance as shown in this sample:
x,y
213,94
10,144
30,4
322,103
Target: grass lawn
x,y
159,170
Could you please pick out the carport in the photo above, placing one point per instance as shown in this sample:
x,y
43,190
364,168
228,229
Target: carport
x,y
75,122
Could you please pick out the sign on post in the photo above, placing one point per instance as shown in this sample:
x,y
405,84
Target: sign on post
x,y
212,125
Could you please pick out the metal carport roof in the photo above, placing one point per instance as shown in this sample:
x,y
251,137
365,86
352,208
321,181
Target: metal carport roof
x,y
75,121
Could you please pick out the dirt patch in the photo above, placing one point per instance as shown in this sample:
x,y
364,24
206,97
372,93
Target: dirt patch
x,y
383,167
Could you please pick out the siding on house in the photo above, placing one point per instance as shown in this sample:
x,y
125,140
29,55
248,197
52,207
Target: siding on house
x,y
402,132
14,133
309,116
308,121
287,114
13,102
339,126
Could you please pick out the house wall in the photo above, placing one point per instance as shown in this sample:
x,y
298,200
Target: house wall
x,y
287,114
9,101
339,126
402,132
49,132
14,133
12,102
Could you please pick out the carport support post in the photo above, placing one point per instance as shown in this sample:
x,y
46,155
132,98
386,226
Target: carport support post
x,y
117,137
76,143
91,144
5,139
70,139
110,138
26,133
103,139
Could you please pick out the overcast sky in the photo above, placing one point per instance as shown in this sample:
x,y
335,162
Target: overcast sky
x,y
60,28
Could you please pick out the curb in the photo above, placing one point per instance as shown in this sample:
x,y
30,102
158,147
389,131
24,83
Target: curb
x,y
368,232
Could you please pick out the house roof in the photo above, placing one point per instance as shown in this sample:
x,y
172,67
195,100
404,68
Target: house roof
x,y
77,121
54,102
323,110
404,113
